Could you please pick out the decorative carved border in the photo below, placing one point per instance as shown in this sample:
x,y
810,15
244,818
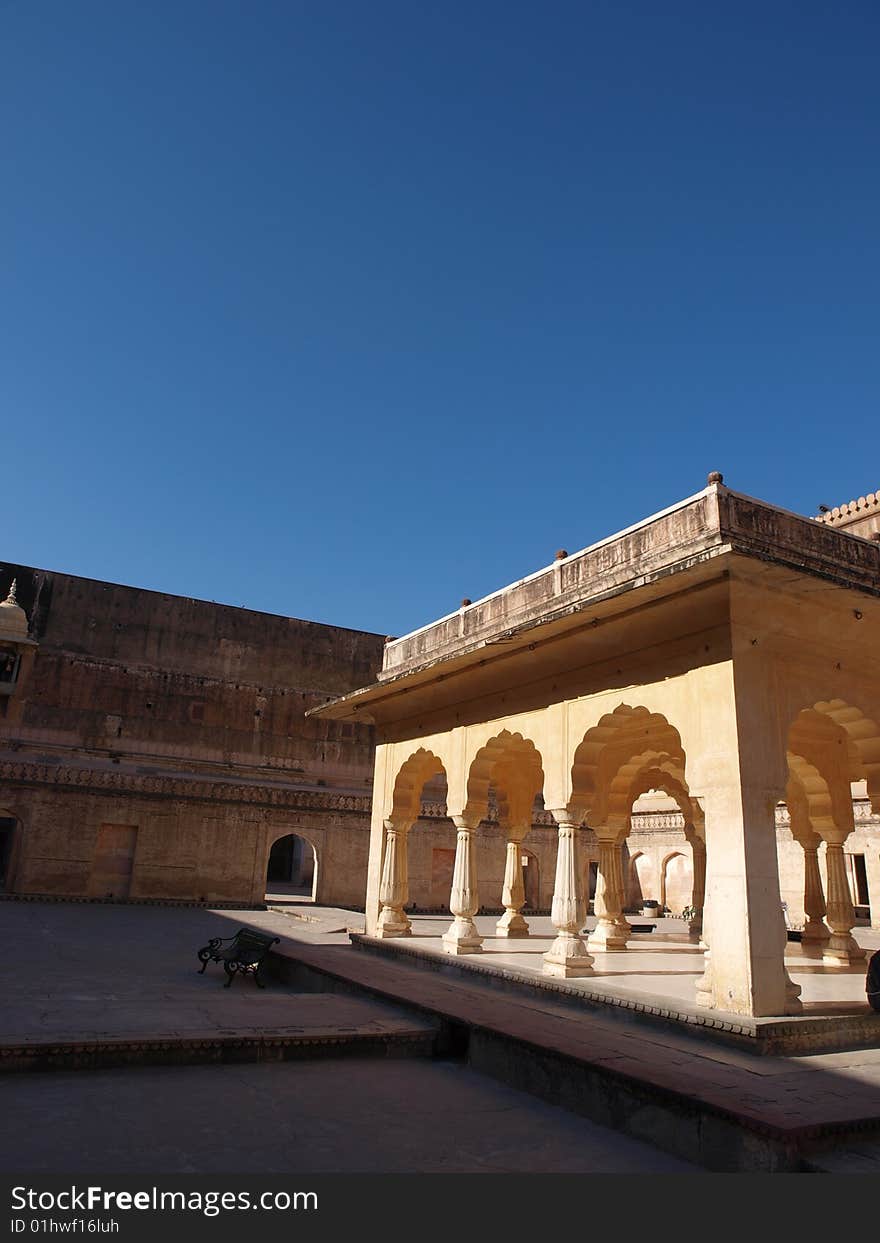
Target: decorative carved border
x,y
99,781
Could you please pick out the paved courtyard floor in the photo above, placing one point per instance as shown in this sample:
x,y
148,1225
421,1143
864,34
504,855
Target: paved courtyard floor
x,y
115,970
83,970
311,1117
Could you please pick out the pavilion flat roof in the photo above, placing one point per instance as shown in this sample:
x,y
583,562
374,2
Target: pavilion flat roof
x,y
685,538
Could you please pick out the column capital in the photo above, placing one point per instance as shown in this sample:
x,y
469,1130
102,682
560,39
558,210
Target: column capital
x,y
466,822
398,824
563,816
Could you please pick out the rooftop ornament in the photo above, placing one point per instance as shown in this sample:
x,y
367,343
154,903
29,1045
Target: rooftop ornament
x,y
13,619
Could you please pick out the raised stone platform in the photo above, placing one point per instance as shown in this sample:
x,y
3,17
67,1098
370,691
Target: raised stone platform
x,y
824,1027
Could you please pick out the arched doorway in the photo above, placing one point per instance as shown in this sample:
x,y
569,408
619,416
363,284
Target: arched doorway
x,y
676,883
292,869
9,831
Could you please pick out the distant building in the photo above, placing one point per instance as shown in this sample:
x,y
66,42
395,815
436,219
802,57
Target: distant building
x,y
154,747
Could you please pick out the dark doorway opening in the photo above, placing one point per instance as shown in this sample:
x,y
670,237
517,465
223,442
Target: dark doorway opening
x,y
8,829
292,870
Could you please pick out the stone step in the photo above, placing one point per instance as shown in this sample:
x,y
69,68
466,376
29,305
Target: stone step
x,y
80,1033
716,1106
844,1026
852,1159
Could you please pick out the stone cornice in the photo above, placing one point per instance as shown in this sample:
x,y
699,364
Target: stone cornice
x,y
99,781
688,545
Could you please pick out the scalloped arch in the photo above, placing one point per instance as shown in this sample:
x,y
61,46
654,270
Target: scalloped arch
x,y
798,805
628,738
513,765
670,779
824,803
412,775
863,733
830,745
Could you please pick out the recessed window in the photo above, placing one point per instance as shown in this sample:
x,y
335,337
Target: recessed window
x,y
9,662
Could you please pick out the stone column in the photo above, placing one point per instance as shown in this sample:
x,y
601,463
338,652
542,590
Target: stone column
x,y
513,894
568,956
608,935
394,886
623,924
705,991
841,948
743,928
816,932
462,936
698,895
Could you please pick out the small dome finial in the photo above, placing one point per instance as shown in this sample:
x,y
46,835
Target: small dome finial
x,y
13,619
715,476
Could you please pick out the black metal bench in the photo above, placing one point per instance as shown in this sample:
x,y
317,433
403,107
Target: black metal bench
x,y
240,954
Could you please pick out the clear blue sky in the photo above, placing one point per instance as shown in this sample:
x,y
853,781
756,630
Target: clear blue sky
x,y
346,310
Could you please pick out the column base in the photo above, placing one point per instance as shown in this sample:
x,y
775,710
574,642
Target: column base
x,y
816,932
393,924
568,958
842,949
511,924
703,995
607,937
793,1003
462,938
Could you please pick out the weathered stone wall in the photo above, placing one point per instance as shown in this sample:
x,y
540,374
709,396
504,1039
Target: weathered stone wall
x,y
182,720
431,851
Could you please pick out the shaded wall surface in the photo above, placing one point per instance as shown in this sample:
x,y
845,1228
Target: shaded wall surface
x,y
158,745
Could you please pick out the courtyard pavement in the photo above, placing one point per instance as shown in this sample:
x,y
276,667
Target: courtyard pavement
x,y
102,972
115,970
84,971
310,1117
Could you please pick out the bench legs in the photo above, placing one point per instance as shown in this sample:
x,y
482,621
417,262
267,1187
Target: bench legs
x,y
242,968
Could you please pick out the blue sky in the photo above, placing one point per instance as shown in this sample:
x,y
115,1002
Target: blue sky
x,y
347,310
